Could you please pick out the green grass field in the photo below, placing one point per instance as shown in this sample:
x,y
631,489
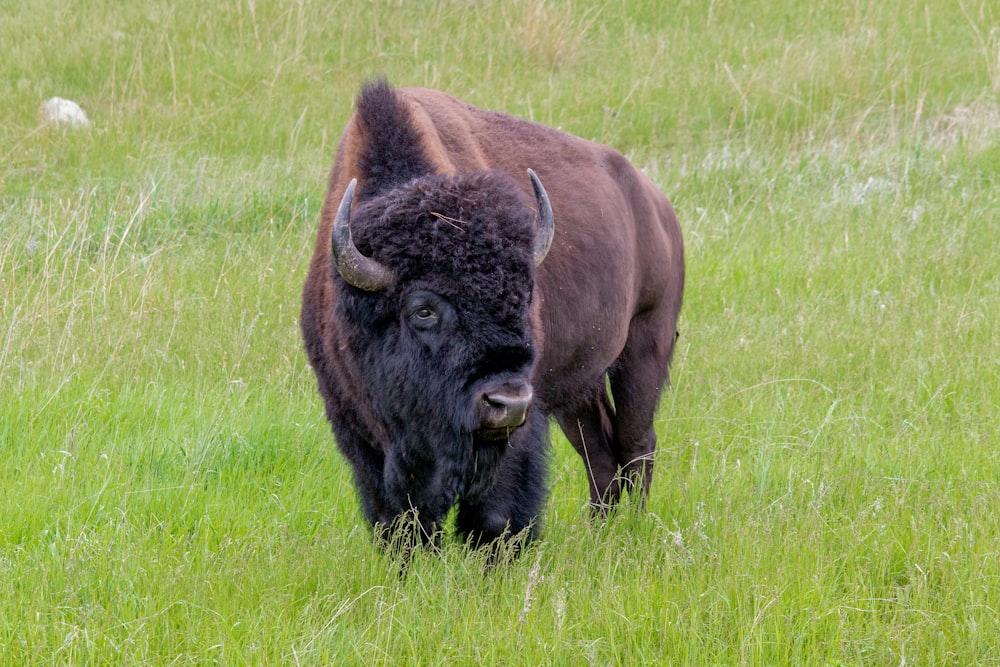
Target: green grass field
x,y
827,489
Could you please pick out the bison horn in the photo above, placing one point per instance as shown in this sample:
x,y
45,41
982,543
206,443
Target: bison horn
x,y
546,222
357,269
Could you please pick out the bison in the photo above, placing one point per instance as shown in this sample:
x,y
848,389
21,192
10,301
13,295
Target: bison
x,y
473,274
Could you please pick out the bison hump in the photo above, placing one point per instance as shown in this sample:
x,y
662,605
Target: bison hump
x,y
391,152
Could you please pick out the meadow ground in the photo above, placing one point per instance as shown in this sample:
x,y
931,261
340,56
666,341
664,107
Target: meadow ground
x,y
827,488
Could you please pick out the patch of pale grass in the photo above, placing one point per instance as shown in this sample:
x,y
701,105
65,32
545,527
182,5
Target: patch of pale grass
x,y
552,34
974,126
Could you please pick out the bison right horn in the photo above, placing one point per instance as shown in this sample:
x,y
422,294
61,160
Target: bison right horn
x,y
546,222
357,269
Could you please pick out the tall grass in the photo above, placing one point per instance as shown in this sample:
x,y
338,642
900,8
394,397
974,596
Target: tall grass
x,y
827,476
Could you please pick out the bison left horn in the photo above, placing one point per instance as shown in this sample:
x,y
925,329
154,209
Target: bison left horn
x,y
546,222
357,269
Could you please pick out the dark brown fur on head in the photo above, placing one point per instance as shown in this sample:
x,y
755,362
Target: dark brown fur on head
x,y
469,238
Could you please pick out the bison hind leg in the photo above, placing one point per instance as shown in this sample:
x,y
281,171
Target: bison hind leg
x,y
637,381
616,439
510,511
589,426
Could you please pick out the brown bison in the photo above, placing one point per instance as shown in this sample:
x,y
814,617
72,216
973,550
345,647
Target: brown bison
x,y
454,302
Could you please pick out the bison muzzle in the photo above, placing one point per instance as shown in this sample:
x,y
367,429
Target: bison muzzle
x,y
474,274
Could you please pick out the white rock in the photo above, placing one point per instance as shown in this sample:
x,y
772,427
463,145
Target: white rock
x,y
58,111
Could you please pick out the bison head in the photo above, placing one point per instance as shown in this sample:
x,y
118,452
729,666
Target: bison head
x,y
436,297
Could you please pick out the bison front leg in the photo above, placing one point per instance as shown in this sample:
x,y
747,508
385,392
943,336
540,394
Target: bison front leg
x,y
510,509
400,536
417,497
367,467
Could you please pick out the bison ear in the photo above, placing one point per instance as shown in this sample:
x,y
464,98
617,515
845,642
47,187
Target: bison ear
x,y
357,269
546,222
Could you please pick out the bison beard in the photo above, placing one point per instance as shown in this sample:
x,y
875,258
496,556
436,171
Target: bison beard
x,y
441,340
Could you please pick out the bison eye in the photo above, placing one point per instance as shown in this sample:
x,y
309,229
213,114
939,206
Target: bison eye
x,y
423,310
424,316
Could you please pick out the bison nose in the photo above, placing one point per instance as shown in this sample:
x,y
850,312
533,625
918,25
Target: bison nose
x,y
506,407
